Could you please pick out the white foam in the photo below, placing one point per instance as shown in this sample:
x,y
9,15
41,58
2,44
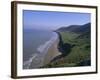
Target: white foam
x,y
44,47
41,51
27,63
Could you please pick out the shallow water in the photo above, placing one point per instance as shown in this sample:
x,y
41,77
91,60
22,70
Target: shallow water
x,y
35,45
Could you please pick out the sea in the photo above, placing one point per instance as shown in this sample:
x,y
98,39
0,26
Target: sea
x,y
35,45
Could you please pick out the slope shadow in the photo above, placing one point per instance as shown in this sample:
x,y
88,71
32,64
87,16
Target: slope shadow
x,y
84,63
64,48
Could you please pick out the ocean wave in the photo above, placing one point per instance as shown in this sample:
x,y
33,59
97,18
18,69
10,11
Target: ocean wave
x,y
37,59
47,44
28,63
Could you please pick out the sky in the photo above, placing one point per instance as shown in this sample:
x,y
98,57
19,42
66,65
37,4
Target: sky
x,y
51,20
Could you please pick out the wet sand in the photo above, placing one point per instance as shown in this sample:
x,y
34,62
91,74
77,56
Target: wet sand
x,y
50,52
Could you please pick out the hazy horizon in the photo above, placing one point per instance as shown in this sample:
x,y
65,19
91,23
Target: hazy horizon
x,y
51,20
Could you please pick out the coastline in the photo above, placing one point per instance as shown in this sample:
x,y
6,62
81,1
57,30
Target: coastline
x,y
71,48
46,53
52,52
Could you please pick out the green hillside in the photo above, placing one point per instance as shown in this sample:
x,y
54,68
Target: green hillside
x,y
75,49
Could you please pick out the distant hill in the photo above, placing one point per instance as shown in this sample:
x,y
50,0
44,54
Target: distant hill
x,y
76,28
83,30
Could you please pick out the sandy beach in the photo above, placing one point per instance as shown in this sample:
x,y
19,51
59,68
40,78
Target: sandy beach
x,y
52,52
46,53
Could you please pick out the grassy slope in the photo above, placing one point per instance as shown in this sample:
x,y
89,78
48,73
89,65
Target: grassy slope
x,y
80,52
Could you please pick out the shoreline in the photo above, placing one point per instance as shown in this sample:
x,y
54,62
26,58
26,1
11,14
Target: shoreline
x,y
46,53
52,52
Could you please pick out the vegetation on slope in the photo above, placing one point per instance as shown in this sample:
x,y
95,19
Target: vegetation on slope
x,y
75,48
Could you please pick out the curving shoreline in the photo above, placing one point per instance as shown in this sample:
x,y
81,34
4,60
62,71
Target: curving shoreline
x,y
52,52
46,53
